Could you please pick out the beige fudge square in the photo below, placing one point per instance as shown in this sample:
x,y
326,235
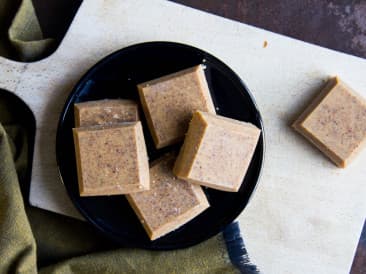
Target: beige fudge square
x,y
169,102
335,122
111,159
216,152
102,112
170,203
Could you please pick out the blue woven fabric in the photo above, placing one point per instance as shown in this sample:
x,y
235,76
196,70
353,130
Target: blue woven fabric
x,y
237,251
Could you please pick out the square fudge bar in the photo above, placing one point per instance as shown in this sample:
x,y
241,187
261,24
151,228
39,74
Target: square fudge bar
x,y
169,102
335,122
103,112
216,152
170,202
111,159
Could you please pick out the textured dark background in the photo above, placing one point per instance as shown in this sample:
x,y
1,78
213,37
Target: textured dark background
x,y
338,25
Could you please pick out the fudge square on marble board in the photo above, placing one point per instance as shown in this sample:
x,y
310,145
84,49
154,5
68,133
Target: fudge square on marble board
x,y
217,151
169,102
111,159
170,202
335,122
108,111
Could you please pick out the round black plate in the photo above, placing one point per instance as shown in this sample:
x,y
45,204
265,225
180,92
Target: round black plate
x,y
116,76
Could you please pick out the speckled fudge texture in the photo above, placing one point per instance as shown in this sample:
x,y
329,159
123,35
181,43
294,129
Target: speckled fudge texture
x,y
169,203
104,112
169,102
216,152
335,122
111,159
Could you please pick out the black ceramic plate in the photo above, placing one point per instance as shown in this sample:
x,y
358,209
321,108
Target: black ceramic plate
x,y
116,76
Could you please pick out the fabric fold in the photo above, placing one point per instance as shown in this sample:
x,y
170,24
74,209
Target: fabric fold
x,y
17,244
25,34
8,9
207,257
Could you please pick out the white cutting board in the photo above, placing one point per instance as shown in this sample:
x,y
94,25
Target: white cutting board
x,y
306,215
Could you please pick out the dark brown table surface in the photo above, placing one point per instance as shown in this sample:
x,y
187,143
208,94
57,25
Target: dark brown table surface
x,y
339,25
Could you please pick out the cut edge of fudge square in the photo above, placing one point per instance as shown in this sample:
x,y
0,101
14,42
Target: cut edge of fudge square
x,y
104,112
101,149
203,97
333,85
161,175
204,132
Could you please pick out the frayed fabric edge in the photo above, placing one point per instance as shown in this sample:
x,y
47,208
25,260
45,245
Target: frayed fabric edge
x,y
236,249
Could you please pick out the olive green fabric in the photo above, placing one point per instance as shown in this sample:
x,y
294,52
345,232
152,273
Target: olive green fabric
x,y
23,38
25,34
33,240
17,245
7,10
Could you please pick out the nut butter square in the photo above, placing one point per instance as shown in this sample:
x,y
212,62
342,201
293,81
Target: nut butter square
x,y
169,203
169,102
335,122
109,111
216,152
111,159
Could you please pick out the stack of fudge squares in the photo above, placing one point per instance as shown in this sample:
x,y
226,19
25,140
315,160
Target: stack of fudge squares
x,y
167,193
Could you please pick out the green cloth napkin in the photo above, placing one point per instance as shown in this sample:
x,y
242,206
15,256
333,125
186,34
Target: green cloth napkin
x,y
7,10
33,240
20,33
26,36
